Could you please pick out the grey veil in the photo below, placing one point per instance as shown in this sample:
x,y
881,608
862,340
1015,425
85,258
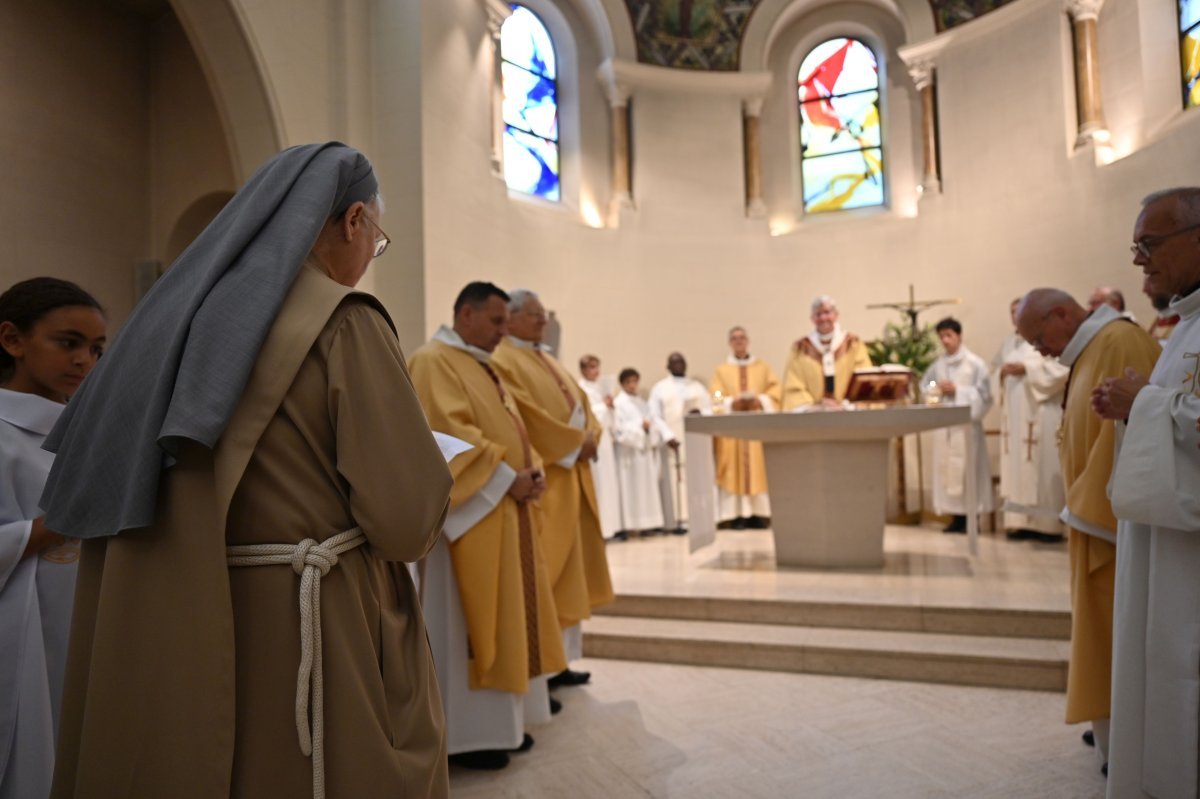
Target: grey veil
x,y
179,365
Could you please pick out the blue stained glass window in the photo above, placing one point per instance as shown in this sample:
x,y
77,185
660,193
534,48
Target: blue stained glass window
x,y
1189,14
841,135
530,109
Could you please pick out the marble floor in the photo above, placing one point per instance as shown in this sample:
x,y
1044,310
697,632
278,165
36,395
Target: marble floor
x,y
654,730
922,566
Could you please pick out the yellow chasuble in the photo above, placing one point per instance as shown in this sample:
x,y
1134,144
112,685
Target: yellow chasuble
x,y
505,589
571,538
1086,451
804,377
741,468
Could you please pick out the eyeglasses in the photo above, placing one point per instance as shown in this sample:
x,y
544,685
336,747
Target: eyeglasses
x,y
381,244
1145,246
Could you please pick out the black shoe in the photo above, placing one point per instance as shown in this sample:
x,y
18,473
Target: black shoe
x,y
620,535
1089,737
740,523
958,524
1104,770
758,522
1048,538
526,744
569,678
679,531
483,760
555,706
1020,535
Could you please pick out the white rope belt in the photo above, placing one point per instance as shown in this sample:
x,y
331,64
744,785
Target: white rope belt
x,y
312,560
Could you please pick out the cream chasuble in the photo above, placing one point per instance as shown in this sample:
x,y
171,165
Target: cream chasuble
x,y
1103,347
604,468
969,374
485,591
671,400
1031,483
556,414
1156,494
814,358
741,467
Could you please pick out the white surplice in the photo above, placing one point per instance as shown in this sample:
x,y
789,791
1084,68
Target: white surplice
x,y
1155,739
475,719
671,400
604,468
637,463
36,596
969,374
1031,482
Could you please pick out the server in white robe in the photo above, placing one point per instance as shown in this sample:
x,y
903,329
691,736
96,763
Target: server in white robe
x,y
637,441
600,393
1030,388
1154,747
51,333
961,377
672,399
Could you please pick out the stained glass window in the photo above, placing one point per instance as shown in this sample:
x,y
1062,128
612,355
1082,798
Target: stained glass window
x,y
530,110
841,144
1189,47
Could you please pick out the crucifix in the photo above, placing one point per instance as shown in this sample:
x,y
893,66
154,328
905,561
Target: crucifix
x,y
1029,442
914,307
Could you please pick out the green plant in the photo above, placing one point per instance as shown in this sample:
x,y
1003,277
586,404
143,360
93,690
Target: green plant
x,y
905,345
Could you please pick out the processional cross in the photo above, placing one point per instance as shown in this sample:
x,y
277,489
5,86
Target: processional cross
x,y
914,307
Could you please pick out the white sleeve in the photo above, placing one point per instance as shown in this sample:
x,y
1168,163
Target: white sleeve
x,y
977,396
1045,378
627,427
1156,479
480,504
578,421
14,537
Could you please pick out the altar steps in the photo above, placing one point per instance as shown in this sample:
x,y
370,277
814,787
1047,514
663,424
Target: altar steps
x,y
964,646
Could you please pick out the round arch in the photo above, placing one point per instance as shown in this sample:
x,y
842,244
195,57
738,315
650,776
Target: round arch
x,y
192,222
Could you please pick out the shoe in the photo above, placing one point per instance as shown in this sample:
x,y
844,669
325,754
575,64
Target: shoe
x,y
740,523
526,744
679,531
620,535
1048,538
1104,770
758,523
555,706
958,524
1089,737
1020,535
725,525
568,678
483,760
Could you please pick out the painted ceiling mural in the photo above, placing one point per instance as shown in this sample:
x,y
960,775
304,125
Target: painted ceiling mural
x,y
707,34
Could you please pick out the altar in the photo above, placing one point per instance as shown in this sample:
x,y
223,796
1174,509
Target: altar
x,y
827,476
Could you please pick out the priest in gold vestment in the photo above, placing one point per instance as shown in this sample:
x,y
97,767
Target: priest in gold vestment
x,y
484,588
563,431
1094,347
743,384
821,364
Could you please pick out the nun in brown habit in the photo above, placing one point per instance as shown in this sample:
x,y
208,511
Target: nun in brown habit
x,y
249,467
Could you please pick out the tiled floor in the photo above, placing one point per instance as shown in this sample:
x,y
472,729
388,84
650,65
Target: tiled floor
x,y
651,730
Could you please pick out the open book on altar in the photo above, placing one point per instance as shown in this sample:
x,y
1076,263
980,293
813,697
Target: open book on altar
x,y
888,383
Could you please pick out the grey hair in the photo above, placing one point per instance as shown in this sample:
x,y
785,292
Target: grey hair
x,y
1187,209
735,329
517,299
823,299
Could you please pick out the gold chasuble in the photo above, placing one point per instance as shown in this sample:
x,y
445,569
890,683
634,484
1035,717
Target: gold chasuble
x,y
741,468
1102,348
804,377
557,413
502,580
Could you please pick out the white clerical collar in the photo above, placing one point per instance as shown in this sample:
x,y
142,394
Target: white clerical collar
x,y
450,338
733,359
1186,307
29,411
1086,332
521,343
828,343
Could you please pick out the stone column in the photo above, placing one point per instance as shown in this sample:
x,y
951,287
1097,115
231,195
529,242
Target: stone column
x,y
752,143
1092,126
618,100
924,74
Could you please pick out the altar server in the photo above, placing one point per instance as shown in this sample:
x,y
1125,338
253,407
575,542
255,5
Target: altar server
x,y
1031,392
600,392
671,399
484,588
637,439
1155,742
961,377
1094,347
744,384
51,333
821,364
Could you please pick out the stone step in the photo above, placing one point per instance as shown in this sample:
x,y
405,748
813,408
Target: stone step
x,y
991,661
992,622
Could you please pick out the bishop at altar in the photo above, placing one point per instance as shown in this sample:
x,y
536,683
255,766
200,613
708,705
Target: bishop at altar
x,y
821,364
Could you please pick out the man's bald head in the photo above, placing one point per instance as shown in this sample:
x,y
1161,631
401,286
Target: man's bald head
x,y
1107,295
1048,318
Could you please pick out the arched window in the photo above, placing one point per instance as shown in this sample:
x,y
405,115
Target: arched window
x,y
529,71
841,145
1189,46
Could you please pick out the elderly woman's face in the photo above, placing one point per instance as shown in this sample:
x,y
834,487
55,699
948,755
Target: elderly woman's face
x,y
351,244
